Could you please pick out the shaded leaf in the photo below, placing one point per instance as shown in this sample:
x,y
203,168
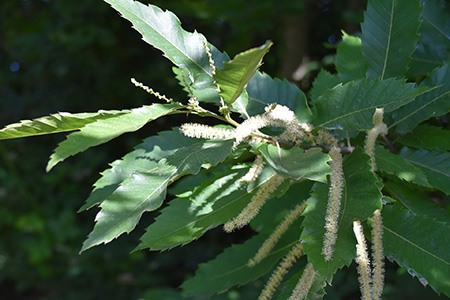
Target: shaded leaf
x,y
417,201
263,90
351,106
389,35
420,244
324,81
297,163
230,267
56,123
104,130
434,164
360,199
350,62
145,190
394,164
433,47
434,103
235,74
427,137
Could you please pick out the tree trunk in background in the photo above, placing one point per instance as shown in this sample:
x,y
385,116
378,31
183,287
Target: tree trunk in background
x,y
296,36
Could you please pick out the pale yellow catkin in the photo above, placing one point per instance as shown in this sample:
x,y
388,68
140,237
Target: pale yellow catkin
x,y
271,241
195,130
277,276
372,135
362,261
334,203
303,286
377,256
257,201
150,91
254,171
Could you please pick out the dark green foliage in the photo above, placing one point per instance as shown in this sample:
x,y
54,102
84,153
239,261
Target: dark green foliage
x,y
381,70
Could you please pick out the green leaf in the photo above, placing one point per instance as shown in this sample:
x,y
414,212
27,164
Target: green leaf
x,y
351,106
56,123
389,35
230,267
213,203
145,190
104,130
263,90
360,199
433,48
417,201
324,81
297,163
434,164
427,137
235,75
350,62
434,103
420,244
162,30
394,164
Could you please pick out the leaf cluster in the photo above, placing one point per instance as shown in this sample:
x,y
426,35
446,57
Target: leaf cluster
x,y
381,69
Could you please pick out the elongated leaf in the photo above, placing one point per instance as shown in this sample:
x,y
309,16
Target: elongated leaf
x,y
351,106
389,35
435,165
435,103
396,165
230,267
360,199
214,203
297,163
235,75
433,48
417,201
104,130
427,137
145,190
263,90
162,30
420,244
350,62
56,123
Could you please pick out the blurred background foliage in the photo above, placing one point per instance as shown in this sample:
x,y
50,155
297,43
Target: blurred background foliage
x,y
79,56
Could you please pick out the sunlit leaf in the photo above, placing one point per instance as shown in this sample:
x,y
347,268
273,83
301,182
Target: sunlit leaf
x,y
104,130
297,163
145,190
350,62
235,74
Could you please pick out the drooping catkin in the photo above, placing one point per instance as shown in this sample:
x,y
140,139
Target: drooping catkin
x,y
334,203
304,284
271,241
362,261
372,135
257,201
377,256
254,171
195,130
277,276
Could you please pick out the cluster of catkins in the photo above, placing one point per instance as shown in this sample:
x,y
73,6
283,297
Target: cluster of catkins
x,y
298,134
